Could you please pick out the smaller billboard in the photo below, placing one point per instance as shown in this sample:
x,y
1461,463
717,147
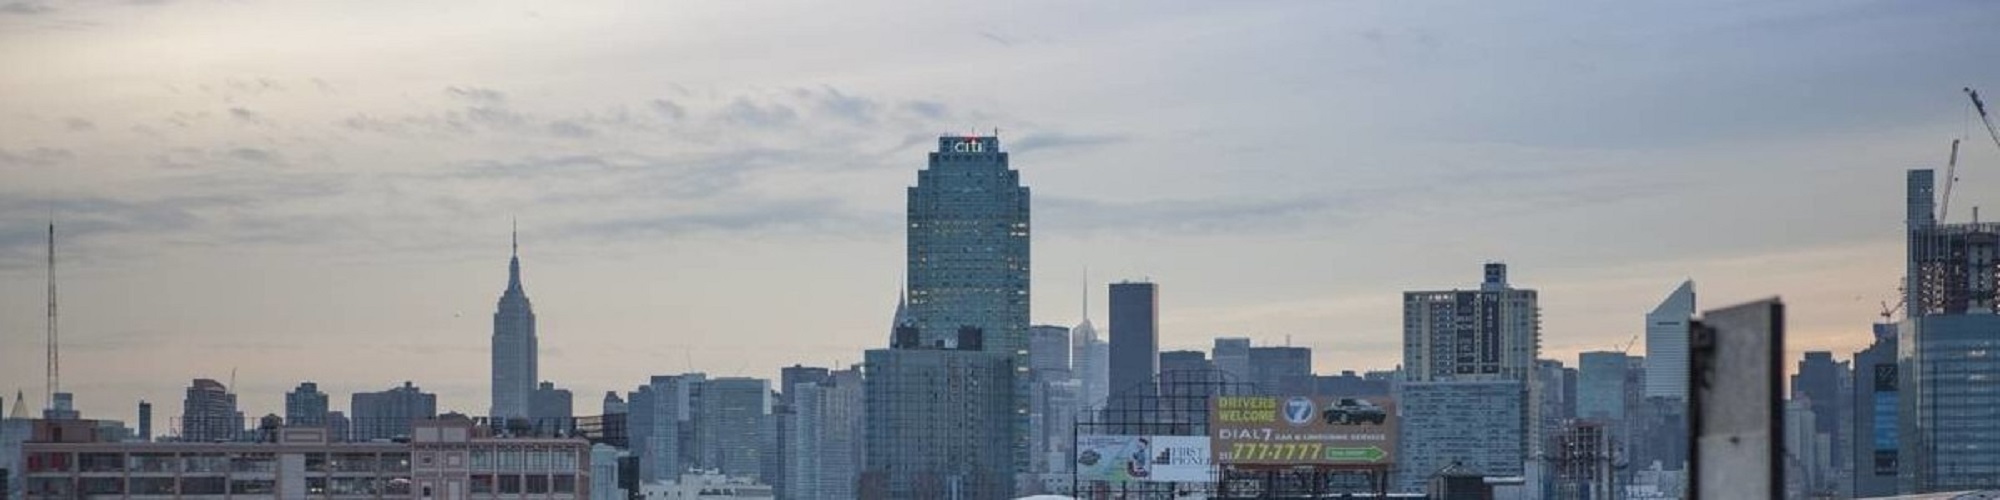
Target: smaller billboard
x,y
1143,458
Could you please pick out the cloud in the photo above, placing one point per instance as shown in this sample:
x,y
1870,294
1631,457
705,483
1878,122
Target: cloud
x,y
816,215
570,129
1044,141
245,115
477,94
832,102
929,110
1177,218
25,8
37,157
195,158
743,111
75,124
668,109
997,38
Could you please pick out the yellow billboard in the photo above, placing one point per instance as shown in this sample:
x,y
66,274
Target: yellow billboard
x,y
1303,430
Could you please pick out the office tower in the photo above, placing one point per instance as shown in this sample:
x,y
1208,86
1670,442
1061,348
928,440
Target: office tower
x,y
145,420
824,458
731,423
614,405
661,425
338,426
1946,346
1090,359
1475,423
1048,351
1184,361
1600,390
1667,344
1348,383
1874,441
792,376
305,406
1281,370
514,347
1232,356
1135,338
934,415
389,414
209,413
1818,382
551,410
968,280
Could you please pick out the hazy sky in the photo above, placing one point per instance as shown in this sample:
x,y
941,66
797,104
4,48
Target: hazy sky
x,y
322,190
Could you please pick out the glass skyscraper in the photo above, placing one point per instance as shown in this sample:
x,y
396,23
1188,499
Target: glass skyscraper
x,y
948,403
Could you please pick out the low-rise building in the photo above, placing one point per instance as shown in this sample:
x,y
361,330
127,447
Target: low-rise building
x,y
445,459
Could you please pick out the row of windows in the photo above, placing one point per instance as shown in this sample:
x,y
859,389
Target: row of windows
x,y
151,462
516,483
59,487
524,460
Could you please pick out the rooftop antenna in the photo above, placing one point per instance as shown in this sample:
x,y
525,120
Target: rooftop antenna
x,y
55,354
232,381
1086,293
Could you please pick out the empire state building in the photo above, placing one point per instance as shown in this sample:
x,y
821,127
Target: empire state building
x,y
514,349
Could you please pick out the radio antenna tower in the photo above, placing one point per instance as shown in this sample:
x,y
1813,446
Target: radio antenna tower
x,y
55,355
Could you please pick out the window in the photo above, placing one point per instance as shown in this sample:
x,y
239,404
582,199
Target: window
x,y
150,462
252,486
49,462
254,462
316,486
205,462
102,486
538,484
563,483
482,483
211,485
100,462
152,486
316,462
510,483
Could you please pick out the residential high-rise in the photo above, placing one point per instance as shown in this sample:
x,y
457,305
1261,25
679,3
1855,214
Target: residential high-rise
x,y
933,417
305,406
826,452
209,413
1872,458
731,422
1232,356
1493,333
1135,337
390,413
968,280
514,347
1945,347
1667,344
338,426
1281,370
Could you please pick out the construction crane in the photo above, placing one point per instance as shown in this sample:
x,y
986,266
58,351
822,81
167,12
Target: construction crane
x,y
1889,311
1950,171
1627,349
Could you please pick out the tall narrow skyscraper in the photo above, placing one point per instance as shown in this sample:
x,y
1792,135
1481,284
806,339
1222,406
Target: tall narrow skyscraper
x,y
514,350
1667,344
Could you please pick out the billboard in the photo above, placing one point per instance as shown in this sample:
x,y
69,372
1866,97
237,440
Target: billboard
x,y
1303,430
1143,458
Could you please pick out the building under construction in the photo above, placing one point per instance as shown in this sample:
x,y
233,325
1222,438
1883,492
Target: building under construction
x,y
1945,436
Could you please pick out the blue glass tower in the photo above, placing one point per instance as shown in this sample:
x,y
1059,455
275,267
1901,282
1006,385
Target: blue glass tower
x,y
968,246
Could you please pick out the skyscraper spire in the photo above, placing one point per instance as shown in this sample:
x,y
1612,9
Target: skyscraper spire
x,y
1086,293
514,261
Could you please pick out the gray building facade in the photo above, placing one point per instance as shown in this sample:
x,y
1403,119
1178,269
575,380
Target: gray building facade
x,y
1135,336
306,406
389,414
1476,423
934,416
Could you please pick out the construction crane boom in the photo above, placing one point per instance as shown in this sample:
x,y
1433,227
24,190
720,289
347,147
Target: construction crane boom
x,y
1951,168
1980,106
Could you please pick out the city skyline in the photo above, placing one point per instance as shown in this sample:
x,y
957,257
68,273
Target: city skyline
x,y
220,220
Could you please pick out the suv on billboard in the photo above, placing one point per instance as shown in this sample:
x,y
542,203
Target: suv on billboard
x,y
1352,411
